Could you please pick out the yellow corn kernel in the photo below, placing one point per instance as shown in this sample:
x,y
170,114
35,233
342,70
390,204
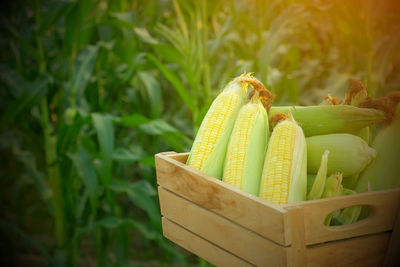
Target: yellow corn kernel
x,y
215,123
246,149
284,177
209,147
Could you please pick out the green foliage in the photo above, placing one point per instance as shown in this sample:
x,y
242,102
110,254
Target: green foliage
x,y
91,90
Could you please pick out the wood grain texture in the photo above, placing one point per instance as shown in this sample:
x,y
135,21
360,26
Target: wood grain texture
x,y
365,251
295,228
200,246
239,223
222,232
392,257
248,211
385,205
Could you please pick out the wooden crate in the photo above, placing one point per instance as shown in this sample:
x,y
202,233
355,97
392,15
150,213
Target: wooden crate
x,y
228,227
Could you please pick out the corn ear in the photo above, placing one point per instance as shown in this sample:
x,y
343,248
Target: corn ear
x,y
347,215
209,147
383,172
284,176
333,188
246,148
365,134
348,154
327,119
319,182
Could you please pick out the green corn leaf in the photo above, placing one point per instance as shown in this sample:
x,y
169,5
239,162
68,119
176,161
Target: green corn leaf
x,y
30,97
56,10
175,81
157,127
83,70
140,193
112,223
153,90
86,170
105,135
133,67
132,120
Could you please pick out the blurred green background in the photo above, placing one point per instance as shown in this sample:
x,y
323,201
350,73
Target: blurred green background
x,y
91,90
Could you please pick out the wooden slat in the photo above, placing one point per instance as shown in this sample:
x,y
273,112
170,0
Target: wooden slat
x,y
220,231
392,257
295,228
181,157
384,203
249,211
358,251
200,246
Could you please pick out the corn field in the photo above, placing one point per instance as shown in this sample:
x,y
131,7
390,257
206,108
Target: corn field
x,y
91,90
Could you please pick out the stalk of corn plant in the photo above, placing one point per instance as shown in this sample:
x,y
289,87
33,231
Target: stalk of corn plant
x,y
209,147
284,176
247,145
348,154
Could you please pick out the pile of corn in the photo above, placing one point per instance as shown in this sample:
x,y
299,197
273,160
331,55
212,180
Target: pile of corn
x,y
287,154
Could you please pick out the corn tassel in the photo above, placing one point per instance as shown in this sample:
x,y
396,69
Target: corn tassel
x,y
246,149
284,177
348,154
329,100
356,94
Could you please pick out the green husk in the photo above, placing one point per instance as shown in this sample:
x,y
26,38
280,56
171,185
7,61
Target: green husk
x,y
310,181
365,134
351,181
347,215
298,173
333,188
326,119
319,183
384,171
213,164
348,154
255,151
